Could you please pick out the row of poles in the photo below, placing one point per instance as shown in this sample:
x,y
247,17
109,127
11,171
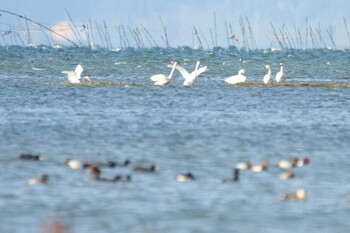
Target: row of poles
x,y
85,35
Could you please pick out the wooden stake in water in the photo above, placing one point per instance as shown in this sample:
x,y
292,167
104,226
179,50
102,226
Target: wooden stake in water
x,y
215,30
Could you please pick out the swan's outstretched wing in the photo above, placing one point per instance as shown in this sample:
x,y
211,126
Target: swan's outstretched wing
x,y
183,72
72,77
79,69
70,73
200,71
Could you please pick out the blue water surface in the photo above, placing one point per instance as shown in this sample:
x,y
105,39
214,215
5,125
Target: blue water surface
x,y
205,129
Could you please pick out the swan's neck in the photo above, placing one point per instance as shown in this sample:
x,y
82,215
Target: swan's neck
x,y
281,69
172,71
269,71
195,71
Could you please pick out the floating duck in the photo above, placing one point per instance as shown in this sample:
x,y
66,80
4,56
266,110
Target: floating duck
x,y
303,162
74,164
40,180
151,169
243,165
128,178
234,178
30,157
97,173
288,164
286,175
107,164
260,167
299,195
184,177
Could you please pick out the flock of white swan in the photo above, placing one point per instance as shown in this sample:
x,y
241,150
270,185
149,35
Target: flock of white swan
x,y
190,78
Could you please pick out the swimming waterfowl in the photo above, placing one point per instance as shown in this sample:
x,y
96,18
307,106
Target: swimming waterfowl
x,y
260,167
299,195
161,79
235,79
243,165
281,76
286,175
40,180
106,164
288,164
234,178
152,168
74,164
128,178
97,175
267,78
30,157
303,162
184,177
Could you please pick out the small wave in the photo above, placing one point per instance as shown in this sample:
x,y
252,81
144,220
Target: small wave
x,y
38,69
120,63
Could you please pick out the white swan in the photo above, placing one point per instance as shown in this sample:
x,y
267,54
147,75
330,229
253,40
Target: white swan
x,y
267,77
75,76
161,79
239,78
191,78
280,76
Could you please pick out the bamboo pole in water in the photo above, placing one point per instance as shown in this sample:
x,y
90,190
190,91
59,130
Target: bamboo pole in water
x,y
245,40
107,36
200,45
36,23
275,33
216,31
100,33
92,35
307,33
347,30
149,35
205,39
227,36
29,37
320,35
212,37
252,38
74,29
330,34
165,38
126,36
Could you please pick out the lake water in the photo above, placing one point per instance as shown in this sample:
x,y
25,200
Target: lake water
x,y
205,129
